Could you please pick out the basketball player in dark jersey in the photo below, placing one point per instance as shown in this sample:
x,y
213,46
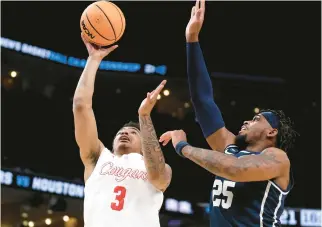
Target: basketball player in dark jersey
x,y
252,169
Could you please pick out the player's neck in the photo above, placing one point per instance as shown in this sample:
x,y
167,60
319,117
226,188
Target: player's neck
x,y
257,147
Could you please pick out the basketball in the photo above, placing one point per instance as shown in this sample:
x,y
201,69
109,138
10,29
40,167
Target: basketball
x,y
103,23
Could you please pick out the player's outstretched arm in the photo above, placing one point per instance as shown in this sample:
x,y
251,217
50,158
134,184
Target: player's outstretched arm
x,y
84,119
270,164
207,112
159,173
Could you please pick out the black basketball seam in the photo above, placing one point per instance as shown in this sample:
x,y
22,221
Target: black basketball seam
x,y
108,20
120,17
96,30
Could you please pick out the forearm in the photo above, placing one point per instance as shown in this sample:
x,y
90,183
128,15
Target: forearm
x,y
85,87
215,162
201,91
198,76
152,153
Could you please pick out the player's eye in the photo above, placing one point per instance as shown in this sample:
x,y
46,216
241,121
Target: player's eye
x,y
133,132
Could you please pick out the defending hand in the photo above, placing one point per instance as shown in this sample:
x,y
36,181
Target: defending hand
x,y
176,136
196,20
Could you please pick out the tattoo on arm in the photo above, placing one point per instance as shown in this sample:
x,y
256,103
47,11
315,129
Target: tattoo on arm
x,y
152,153
257,167
215,162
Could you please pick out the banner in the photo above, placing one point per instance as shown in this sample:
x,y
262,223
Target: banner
x,y
41,184
80,63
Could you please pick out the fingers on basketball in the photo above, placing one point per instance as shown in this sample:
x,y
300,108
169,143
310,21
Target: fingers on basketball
x,y
110,49
87,44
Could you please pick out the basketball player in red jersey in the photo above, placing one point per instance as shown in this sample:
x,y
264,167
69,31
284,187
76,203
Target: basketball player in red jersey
x,y
125,187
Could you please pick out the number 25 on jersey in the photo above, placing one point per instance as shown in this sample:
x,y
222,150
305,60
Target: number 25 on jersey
x,y
221,190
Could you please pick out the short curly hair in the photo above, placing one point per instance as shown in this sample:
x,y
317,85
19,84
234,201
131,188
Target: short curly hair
x,y
286,133
132,124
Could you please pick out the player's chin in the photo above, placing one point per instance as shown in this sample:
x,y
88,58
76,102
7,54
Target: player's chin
x,y
122,144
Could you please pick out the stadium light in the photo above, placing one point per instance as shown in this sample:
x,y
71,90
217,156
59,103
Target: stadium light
x,y
66,218
13,74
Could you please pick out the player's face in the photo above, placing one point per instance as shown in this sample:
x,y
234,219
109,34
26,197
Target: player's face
x,y
257,129
128,137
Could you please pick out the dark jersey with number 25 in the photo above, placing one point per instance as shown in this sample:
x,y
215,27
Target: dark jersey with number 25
x,y
246,204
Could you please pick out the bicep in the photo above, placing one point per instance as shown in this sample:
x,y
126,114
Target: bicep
x,y
266,166
220,139
86,133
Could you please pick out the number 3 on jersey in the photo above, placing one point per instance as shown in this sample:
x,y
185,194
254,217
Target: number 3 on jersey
x,y
119,203
223,188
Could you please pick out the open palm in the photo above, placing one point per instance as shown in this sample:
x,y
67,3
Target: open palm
x,y
150,100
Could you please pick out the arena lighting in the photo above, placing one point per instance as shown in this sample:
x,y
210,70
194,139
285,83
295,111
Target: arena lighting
x,y
48,221
186,105
256,110
25,223
66,218
31,224
24,215
174,205
166,92
233,103
13,74
159,97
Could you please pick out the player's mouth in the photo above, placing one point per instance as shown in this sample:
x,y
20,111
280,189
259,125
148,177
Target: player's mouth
x,y
243,128
124,139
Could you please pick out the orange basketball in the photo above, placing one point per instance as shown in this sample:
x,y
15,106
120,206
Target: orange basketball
x,y
103,23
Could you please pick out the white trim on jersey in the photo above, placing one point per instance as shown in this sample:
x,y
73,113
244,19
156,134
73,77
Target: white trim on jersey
x,y
278,206
263,202
245,152
278,188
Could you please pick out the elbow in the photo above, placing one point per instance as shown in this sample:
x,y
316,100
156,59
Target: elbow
x,y
81,103
158,182
154,178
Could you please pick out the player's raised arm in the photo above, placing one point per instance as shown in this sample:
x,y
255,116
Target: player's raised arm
x,y
84,119
201,91
159,173
270,164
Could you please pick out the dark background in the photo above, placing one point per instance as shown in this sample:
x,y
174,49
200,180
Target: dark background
x,y
273,39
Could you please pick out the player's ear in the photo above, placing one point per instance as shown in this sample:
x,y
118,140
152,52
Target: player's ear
x,y
272,133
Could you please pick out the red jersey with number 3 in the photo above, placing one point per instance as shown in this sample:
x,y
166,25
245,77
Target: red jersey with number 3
x,y
119,194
